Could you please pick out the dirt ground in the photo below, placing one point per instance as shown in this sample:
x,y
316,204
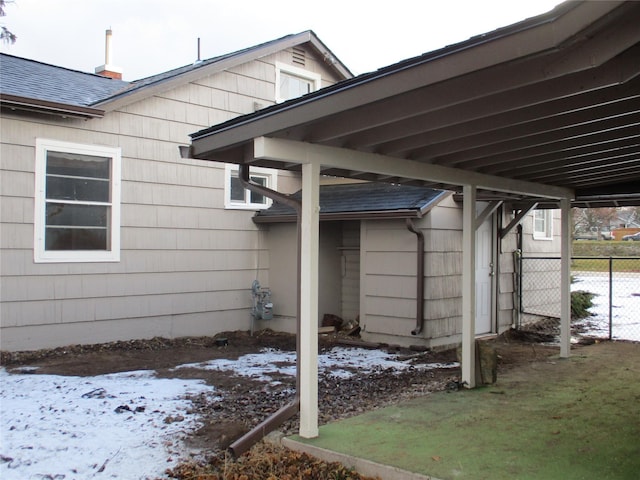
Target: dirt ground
x,y
247,402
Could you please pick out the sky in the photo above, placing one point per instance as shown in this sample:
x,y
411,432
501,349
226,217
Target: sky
x,y
153,36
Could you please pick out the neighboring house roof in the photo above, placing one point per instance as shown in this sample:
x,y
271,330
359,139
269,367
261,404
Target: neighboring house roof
x,y
28,84
362,200
542,110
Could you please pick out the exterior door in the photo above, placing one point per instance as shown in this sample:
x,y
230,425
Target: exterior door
x,y
484,277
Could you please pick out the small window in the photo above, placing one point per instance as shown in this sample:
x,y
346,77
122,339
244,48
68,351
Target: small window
x,y
543,224
77,203
236,196
293,82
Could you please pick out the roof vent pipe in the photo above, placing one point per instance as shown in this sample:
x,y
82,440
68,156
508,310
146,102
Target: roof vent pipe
x,y
420,277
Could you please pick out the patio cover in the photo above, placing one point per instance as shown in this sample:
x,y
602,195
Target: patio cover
x,y
545,111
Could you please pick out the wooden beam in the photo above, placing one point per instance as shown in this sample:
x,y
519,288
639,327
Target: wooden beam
x,y
492,207
309,300
565,279
301,152
518,218
468,365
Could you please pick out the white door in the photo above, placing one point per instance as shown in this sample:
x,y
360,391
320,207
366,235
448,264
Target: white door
x,y
484,276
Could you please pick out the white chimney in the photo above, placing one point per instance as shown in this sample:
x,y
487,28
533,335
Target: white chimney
x,y
108,70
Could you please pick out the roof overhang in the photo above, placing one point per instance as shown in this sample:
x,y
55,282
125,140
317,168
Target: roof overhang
x,y
548,108
14,102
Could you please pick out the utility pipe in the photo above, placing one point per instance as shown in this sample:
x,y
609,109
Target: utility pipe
x,y
420,280
258,432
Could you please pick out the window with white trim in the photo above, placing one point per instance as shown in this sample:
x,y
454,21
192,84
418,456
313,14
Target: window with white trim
x,y
77,202
543,224
238,197
293,82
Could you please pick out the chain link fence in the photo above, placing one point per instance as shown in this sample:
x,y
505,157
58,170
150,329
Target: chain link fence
x,y
612,284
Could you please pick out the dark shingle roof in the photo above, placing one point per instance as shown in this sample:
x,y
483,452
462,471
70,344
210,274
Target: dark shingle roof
x,y
41,82
26,78
363,199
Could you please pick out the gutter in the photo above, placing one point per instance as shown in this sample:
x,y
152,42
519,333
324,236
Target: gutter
x,y
376,215
245,442
14,102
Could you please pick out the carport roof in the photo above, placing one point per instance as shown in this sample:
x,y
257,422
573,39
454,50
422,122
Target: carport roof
x,y
552,101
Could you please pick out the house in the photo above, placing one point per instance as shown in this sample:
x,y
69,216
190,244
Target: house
x,y
373,238
172,248
106,233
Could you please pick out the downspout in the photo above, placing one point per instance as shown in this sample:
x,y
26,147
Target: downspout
x,y
420,280
258,432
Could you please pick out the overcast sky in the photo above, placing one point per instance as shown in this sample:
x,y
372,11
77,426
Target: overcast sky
x,y
152,36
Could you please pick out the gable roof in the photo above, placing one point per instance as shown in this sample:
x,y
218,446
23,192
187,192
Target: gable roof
x,y
31,85
360,201
39,86
546,109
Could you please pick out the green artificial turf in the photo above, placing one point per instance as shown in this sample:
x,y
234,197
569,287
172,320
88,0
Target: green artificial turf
x,y
576,418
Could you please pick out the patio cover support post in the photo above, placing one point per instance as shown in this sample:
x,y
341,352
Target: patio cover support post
x,y
308,366
565,279
469,286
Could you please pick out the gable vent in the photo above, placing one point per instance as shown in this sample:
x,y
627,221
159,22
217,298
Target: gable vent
x,y
298,56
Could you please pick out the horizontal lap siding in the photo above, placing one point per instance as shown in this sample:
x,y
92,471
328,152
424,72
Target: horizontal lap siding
x,y
186,263
389,275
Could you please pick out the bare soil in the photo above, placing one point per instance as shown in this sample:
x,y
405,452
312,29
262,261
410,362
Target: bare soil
x,y
246,402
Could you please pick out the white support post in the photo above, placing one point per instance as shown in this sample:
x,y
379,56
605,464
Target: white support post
x,y
469,286
309,300
565,279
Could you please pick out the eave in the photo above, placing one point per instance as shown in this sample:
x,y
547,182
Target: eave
x,y
552,101
13,102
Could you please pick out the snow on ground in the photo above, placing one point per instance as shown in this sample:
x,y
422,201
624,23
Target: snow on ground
x,y
126,425
625,305
338,362
122,425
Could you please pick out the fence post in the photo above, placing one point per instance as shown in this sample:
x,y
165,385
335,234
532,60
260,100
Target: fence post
x,y
610,298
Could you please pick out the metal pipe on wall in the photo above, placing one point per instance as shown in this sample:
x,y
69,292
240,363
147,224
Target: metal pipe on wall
x,y
420,274
245,442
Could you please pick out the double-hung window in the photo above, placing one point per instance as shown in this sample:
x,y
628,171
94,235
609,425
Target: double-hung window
x,y
236,196
77,202
543,224
293,82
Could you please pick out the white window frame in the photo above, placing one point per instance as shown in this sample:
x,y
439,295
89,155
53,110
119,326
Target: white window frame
x,y
547,219
269,174
41,255
314,78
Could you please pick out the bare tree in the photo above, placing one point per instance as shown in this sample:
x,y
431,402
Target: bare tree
x,y
594,220
6,35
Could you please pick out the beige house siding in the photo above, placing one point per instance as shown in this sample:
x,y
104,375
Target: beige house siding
x,y
389,286
383,279
186,264
282,246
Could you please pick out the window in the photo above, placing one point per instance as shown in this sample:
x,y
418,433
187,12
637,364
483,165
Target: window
x,y
77,203
293,82
543,224
236,196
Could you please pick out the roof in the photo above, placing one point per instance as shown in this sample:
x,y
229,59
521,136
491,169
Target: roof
x,y
547,108
361,200
29,84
